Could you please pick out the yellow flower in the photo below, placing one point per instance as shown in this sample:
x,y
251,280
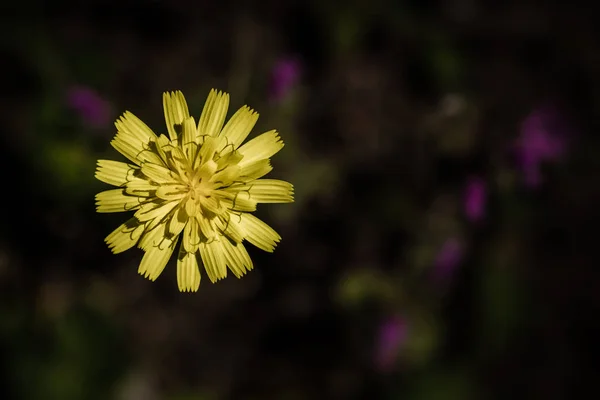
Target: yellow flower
x,y
199,183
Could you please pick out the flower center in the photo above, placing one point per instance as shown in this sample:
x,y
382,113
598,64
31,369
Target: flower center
x,y
198,188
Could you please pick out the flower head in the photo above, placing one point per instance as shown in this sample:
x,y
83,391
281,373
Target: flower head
x,y
199,183
93,109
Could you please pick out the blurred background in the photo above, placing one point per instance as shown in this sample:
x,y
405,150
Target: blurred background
x,y
442,244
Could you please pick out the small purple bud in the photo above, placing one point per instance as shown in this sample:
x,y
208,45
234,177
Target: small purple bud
x,y
475,199
448,259
391,338
544,134
284,76
93,109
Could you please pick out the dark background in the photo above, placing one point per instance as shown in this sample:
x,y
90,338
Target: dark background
x,y
396,108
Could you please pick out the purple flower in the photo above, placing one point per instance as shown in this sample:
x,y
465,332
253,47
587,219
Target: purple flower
x,y
543,138
284,76
448,259
391,338
475,199
93,109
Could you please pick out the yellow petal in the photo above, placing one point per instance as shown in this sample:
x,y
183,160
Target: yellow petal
x,y
239,126
214,113
141,187
126,148
188,140
114,172
153,236
226,176
191,236
177,222
176,111
155,260
213,259
125,236
269,191
133,138
188,273
116,200
228,158
192,206
154,210
260,148
258,233
237,258
131,126
176,161
206,153
212,206
206,226
229,225
255,170
171,191
158,173
160,144
207,169
235,200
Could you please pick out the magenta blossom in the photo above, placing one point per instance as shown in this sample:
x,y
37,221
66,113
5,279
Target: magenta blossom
x,y
391,337
543,138
93,109
284,76
448,259
475,199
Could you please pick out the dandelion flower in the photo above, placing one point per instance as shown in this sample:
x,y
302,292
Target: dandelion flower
x,y
200,183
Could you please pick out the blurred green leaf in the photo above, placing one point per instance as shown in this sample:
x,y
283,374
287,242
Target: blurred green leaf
x,y
201,395
311,179
68,169
501,297
423,338
78,356
361,285
452,383
445,63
